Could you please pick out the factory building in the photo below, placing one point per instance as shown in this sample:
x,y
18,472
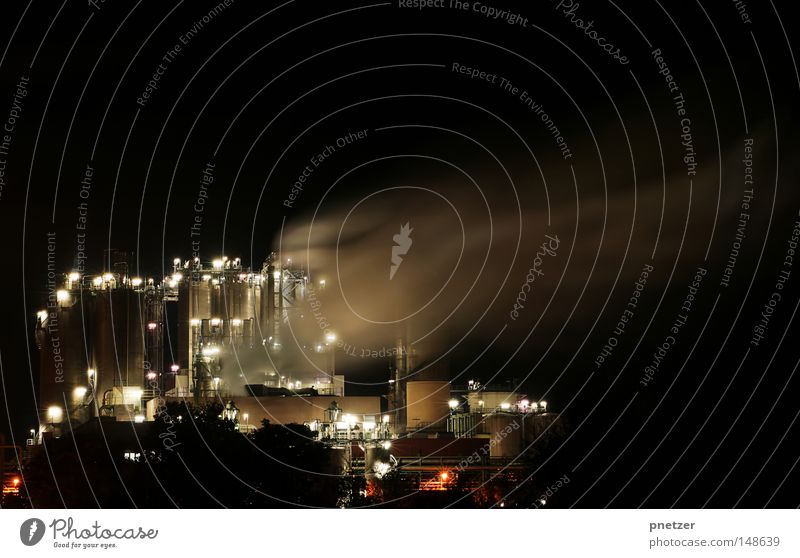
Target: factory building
x,y
102,339
118,347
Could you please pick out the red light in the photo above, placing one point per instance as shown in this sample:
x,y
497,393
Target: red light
x,y
444,475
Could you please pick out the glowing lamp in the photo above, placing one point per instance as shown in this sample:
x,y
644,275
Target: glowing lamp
x,y
55,413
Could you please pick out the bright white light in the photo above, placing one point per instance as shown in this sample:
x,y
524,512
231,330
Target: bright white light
x,y
152,325
194,322
505,405
245,417
350,420
386,445
42,315
217,264
369,426
277,275
480,403
215,281
322,283
80,392
543,405
385,419
177,261
206,277
210,351
215,321
174,367
90,372
138,418
135,393
524,403
97,281
107,277
236,322
534,406
136,281
177,277
381,468
151,375
453,403
62,295
74,276
330,337
54,413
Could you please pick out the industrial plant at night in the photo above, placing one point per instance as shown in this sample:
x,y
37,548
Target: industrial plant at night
x,y
118,350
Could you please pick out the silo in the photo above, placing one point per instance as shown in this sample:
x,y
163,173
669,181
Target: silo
x,y
63,363
505,434
427,404
118,339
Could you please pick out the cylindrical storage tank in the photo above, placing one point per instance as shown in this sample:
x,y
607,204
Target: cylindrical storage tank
x,y
505,434
62,342
427,404
118,339
200,304
216,308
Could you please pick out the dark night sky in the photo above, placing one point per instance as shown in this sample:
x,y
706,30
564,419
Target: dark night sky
x,y
264,87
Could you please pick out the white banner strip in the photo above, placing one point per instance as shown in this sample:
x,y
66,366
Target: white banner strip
x,y
395,533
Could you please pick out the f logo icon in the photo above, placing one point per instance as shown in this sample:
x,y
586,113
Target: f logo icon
x,y
31,531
